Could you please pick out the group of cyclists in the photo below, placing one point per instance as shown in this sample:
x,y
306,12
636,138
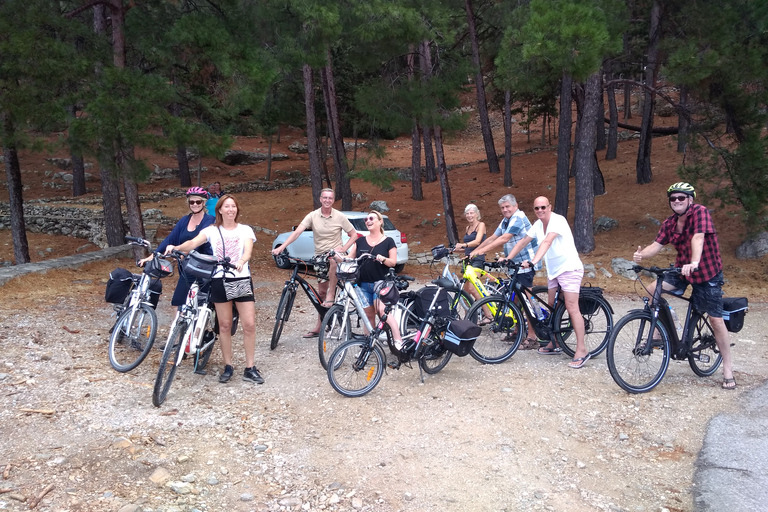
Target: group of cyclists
x,y
547,240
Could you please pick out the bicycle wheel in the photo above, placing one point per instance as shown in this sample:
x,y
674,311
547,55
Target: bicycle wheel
x,y
499,339
336,328
356,367
435,356
283,312
132,338
459,302
209,338
167,368
598,324
704,356
634,368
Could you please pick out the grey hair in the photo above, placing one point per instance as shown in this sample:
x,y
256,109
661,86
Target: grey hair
x,y
328,190
473,208
509,198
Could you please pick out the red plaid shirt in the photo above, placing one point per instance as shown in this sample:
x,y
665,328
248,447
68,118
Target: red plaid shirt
x,y
698,221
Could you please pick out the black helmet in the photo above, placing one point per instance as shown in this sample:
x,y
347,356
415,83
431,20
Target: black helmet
x,y
683,188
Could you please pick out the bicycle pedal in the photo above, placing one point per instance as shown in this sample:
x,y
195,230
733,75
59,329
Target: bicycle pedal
x,y
395,365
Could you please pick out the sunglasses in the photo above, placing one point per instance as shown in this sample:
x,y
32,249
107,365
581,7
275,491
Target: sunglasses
x,y
371,218
678,199
196,201
537,208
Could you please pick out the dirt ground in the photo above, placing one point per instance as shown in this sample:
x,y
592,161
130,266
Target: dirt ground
x,y
529,434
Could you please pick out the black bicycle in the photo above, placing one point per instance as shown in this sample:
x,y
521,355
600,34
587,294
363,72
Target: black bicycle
x,y
504,324
319,265
645,340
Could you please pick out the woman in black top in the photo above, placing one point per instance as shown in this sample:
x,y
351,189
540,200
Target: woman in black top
x,y
384,250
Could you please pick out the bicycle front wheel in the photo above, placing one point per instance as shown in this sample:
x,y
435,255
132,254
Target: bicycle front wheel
x,y
356,367
336,328
167,369
283,312
132,337
634,367
435,356
501,337
598,324
704,356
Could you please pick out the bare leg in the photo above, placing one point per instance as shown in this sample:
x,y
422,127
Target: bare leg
x,y
392,323
224,316
330,291
247,313
322,290
723,340
577,321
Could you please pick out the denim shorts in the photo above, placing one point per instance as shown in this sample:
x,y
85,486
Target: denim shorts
x,y
366,294
707,297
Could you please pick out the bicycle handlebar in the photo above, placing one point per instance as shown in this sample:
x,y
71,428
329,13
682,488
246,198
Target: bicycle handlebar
x,y
178,256
659,271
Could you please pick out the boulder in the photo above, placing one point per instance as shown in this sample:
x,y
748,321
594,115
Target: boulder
x,y
379,206
605,224
623,268
755,248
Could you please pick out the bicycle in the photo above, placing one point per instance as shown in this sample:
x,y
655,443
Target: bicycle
x,y
134,332
645,340
343,320
288,295
503,332
356,366
194,329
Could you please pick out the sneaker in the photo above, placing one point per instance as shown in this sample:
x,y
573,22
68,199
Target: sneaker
x,y
226,374
252,374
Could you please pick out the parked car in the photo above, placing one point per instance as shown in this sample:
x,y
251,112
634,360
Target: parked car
x,y
304,246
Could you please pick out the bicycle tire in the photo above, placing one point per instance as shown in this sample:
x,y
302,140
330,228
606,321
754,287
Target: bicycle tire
x,y
356,367
435,356
597,327
167,369
630,369
130,344
704,356
499,339
283,312
459,302
331,335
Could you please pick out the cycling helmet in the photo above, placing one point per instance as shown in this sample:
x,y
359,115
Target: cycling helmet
x,y
197,191
683,188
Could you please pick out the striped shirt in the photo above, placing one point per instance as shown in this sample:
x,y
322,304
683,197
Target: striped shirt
x,y
517,226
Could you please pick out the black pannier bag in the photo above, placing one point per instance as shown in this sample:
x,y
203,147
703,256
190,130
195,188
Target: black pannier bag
x,y
460,336
423,298
199,266
587,304
118,286
734,310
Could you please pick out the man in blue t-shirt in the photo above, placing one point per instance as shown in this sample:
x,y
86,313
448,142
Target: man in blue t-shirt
x,y
214,193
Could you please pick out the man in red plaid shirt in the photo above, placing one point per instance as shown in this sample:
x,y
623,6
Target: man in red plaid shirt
x,y
693,234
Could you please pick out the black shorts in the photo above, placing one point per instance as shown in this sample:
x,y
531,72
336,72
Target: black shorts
x,y
218,295
707,297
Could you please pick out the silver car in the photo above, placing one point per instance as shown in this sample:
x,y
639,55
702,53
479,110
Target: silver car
x,y
304,246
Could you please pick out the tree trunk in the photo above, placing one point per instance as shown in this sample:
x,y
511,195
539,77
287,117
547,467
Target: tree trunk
x,y
269,157
429,155
343,189
584,158
683,121
313,149
507,138
417,193
643,166
185,179
445,189
15,193
78,167
601,117
563,146
124,159
578,98
482,104
613,126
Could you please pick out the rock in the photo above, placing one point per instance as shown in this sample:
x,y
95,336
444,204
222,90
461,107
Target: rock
x,y
655,221
212,481
189,478
261,447
334,499
297,147
379,206
160,476
239,157
605,272
623,268
295,502
180,487
605,224
121,442
580,464
61,163
182,458
130,508
754,248
246,496
357,503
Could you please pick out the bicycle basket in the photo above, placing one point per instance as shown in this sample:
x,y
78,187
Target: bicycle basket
x,y
439,252
387,292
199,266
348,270
118,286
158,267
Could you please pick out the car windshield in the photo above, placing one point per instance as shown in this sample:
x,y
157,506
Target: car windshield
x,y
359,224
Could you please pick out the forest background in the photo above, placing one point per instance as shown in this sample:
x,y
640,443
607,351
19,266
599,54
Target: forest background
x,y
109,79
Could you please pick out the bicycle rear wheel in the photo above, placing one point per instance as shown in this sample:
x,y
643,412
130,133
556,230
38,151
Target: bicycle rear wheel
x,y
704,356
632,366
132,338
598,324
356,367
499,339
167,369
336,328
283,312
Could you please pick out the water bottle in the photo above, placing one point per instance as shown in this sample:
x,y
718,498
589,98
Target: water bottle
x,y
538,310
678,325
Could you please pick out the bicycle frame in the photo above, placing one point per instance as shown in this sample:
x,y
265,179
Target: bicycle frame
x,y
309,290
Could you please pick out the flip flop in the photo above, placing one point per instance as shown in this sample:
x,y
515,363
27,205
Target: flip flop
x,y
550,351
579,362
727,383
311,334
485,321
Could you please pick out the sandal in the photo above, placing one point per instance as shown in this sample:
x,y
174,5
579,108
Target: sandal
x,y
485,321
729,383
550,351
529,344
311,334
579,362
